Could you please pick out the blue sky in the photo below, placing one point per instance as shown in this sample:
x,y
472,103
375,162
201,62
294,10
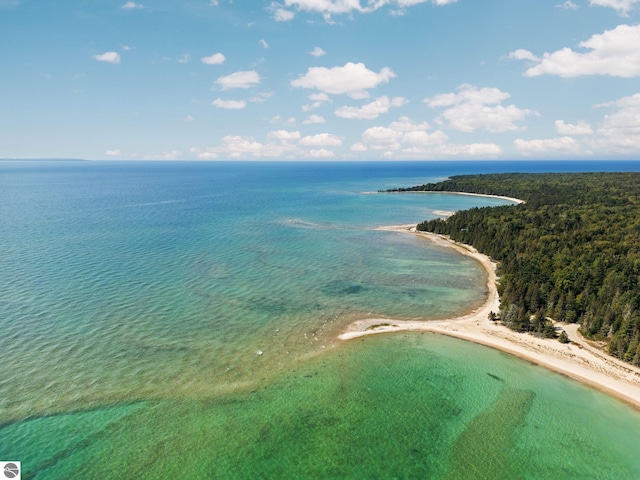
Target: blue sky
x,y
320,79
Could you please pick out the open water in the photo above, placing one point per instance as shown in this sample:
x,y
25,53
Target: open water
x,y
179,320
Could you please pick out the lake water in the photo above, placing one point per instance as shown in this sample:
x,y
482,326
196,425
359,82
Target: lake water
x,y
179,320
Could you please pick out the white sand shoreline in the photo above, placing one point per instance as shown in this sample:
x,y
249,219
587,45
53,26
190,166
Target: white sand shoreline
x,y
501,197
578,359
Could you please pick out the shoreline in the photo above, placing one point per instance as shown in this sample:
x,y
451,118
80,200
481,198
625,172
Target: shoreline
x,y
577,360
501,197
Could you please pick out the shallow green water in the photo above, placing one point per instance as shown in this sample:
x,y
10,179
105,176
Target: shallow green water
x,y
163,320
400,406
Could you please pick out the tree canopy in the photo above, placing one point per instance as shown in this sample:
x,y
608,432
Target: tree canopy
x,y
571,252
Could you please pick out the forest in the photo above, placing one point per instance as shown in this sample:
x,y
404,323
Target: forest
x,y
571,252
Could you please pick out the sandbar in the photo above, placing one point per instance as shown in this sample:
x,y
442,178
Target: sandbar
x,y
579,359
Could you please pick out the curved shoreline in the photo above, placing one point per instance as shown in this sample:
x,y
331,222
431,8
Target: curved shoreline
x,y
578,359
501,197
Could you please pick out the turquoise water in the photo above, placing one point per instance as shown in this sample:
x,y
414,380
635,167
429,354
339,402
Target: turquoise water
x,y
180,319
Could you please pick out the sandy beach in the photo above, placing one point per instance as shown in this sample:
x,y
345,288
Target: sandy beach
x,y
578,359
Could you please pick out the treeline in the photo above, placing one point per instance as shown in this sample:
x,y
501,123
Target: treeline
x,y
571,252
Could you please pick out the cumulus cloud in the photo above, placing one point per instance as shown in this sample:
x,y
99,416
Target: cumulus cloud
x,y
320,153
382,136
321,140
568,5
474,150
131,6
230,104
399,133
168,155
327,8
244,79
278,144
215,59
614,53
547,145
239,147
108,57
522,54
317,52
313,119
354,79
116,152
582,128
282,15
371,110
619,131
318,99
404,139
621,6
284,135
472,108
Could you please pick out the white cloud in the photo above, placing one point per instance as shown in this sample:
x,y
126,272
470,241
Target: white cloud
x,y
319,97
169,155
547,145
284,135
214,3
109,57
382,136
215,59
353,79
405,124
582,128
423,138
317,52
339,7
126,48
113,153
615,53
522,54
321,140
131,6
619,131
320,153
185,58
371,110
568,5
621,6
188,119
246,79
264,43
238,147
473,108
282,15
358,147
260,97
230,104
313,119
469,150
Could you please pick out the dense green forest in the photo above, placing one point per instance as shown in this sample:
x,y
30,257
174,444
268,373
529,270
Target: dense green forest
x,y
571,252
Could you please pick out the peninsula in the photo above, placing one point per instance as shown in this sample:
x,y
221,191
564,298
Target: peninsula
x,y
567,259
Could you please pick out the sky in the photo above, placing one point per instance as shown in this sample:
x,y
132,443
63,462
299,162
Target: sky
x,y
320,79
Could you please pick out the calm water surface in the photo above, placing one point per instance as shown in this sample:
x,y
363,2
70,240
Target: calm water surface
x,y
180,319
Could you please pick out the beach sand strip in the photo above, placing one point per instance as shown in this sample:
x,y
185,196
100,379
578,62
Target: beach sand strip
x,y
578,359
